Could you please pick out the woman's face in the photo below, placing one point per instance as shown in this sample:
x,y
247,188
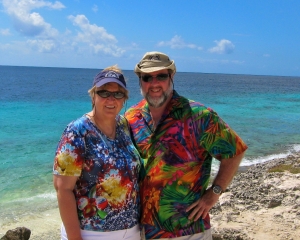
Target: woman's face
x,y
109,106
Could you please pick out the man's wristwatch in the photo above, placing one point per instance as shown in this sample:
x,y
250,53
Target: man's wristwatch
x,y
217,189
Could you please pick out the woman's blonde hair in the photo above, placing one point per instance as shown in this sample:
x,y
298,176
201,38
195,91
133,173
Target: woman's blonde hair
x,y
114,68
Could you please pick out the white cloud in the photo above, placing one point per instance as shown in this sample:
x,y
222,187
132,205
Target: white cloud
x,y
17,6
223,46
43,38
31,23
95,8
43,45
267,55
91,32
178,42
134,45
5,32
97,38
238,62
110,50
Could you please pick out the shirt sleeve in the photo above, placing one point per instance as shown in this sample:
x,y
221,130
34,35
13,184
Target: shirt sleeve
x,y
69,154
219,139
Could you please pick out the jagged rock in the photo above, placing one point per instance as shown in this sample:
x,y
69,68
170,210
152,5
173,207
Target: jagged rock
x,y
217,237
229,234
274,203
20,233
256,190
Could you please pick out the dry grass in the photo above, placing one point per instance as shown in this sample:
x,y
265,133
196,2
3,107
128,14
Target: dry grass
x,y
285,167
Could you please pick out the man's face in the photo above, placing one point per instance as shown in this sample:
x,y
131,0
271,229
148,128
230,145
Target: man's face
x,y
156,87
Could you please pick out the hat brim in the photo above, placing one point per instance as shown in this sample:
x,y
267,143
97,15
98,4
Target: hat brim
x,y
109,80
171,67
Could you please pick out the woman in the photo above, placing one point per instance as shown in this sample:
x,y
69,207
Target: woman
x,y
96,168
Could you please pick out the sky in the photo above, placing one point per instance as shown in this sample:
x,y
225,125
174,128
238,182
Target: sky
x,y
257,37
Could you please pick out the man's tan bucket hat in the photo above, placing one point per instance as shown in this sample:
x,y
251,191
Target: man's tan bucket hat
x,y
154,61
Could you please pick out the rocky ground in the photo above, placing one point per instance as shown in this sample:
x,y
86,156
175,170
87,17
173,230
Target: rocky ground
x,y
257,205
260,204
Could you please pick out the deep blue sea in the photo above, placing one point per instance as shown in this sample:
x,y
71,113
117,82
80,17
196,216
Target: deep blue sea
x,y
37,103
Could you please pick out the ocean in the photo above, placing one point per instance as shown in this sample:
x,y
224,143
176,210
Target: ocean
x,y
36,104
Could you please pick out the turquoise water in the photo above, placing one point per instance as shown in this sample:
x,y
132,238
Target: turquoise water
x,y
37,103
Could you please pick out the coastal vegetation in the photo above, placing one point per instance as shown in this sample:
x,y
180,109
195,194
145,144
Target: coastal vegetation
x,y
292,168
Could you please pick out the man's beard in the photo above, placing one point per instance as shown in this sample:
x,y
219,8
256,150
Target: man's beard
x,y
157,102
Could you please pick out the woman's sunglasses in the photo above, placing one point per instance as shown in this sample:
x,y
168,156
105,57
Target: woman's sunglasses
x,y
160,77
106,94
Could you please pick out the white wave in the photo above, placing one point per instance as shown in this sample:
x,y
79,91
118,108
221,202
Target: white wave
x,y
297,148
290,151
251,161
48,196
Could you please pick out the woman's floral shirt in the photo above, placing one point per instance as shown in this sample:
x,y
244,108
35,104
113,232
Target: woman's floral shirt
x,y
107,190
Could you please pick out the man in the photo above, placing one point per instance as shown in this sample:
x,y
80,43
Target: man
x,y
177,139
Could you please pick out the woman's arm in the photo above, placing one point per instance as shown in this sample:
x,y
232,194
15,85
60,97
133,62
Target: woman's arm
x,y
64,186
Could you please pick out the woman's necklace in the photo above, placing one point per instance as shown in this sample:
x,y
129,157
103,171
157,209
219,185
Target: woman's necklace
x,y
108,133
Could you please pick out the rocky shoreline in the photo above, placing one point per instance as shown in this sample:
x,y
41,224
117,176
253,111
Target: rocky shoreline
x,y
258,204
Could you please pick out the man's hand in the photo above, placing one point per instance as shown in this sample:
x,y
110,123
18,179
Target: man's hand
x,y
203,205
227,170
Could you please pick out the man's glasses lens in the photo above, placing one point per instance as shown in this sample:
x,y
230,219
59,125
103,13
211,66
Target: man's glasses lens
x,y
106,94
159,77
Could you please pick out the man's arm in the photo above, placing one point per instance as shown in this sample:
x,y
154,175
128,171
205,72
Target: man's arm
x,y
227,170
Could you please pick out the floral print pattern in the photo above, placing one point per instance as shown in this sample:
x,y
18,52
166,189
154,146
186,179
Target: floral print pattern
x,y
107,189
177,157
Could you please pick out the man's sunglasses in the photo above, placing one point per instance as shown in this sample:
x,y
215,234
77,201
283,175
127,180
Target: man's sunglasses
x,y
160,77
106,94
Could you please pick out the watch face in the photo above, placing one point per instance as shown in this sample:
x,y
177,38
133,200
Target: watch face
x,y
217,189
